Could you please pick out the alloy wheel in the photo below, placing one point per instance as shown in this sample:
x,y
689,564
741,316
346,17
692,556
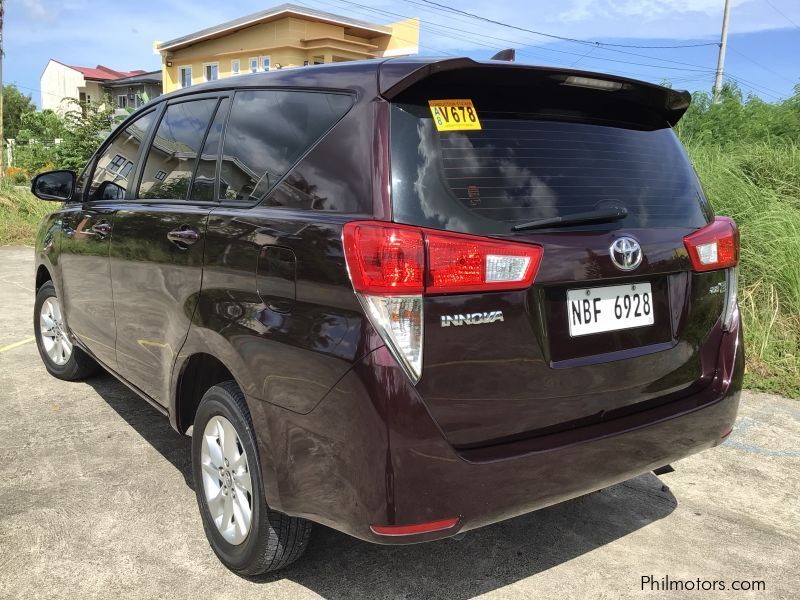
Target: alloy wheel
x,y
227,484
54,338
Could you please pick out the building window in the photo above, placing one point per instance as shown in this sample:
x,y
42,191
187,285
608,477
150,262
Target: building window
x,y
265,63
116,163
122,101
235,67
126,170
211,71
254,65
185,76
161,175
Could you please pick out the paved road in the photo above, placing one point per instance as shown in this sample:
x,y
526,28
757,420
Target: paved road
x,y
96,500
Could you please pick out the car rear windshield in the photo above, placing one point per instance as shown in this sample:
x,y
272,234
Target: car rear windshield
x,y
517,169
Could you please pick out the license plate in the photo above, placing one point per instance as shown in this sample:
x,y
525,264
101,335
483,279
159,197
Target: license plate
x,y
595,310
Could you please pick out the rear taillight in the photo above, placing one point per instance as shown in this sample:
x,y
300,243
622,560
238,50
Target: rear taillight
x,y
466,263
715,246
393,266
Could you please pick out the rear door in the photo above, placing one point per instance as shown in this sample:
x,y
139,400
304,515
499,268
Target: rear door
x,y
159,238
595,337
87,229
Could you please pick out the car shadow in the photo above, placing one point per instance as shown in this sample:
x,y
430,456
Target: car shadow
x,y
338,567
148,422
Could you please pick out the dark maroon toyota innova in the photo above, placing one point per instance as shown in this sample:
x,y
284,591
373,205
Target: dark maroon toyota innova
x,y
403,298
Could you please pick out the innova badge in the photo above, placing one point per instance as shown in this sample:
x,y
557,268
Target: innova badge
x,y
626,253
479,318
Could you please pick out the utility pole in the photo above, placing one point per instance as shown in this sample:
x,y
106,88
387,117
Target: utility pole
x,y
2,139
723,41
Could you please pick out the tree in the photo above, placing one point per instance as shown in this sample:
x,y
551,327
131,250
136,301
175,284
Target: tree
x,y
15,104
86,125
44,125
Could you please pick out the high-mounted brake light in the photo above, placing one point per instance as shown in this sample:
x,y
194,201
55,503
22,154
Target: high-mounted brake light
x,y
392,266
414,529
715,246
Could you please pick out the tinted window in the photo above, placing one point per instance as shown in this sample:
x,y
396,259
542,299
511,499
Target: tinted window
x,y
514,170
110,178
203,188
173,153
267,132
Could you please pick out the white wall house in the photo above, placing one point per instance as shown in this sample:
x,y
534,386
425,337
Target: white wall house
x,y
88,84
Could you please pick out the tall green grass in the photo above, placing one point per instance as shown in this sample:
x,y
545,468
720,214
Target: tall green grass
x,y
20,214
759,186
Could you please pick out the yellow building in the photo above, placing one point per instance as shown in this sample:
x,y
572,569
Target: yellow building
x,y
277,38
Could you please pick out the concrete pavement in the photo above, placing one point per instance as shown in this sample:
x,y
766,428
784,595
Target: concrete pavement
x,y
96,501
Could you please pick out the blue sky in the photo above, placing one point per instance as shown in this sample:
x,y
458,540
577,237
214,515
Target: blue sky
x,y
763,51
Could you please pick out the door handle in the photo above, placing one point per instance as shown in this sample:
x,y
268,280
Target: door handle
x,y
183,236
103,228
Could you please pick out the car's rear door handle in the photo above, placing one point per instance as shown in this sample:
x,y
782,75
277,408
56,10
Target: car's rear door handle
x,y
103,227
183,236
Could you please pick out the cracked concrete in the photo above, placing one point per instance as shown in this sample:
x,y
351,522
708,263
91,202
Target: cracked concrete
x,y
97,502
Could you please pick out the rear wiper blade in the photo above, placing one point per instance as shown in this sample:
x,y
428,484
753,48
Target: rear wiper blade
x,y
594,216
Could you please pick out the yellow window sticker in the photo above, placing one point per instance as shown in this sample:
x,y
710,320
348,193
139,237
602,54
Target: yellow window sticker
x,y
454,115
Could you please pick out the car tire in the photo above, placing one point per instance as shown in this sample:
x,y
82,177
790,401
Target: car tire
x,y
272,540
61,356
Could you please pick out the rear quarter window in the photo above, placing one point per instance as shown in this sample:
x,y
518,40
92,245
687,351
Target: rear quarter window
x,y
517,169
267,132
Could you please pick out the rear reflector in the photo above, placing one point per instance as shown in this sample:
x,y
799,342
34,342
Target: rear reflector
x,y
715,246
414,529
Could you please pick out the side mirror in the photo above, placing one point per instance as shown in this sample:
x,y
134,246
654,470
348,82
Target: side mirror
x,y
57,186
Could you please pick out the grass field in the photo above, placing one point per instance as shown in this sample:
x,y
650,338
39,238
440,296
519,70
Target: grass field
x,y
758,185
20,214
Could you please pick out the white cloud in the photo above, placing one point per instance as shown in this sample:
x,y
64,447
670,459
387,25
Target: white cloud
x,y
581,10
36,9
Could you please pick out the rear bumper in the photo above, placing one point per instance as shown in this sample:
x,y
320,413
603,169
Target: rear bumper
x,y
370,454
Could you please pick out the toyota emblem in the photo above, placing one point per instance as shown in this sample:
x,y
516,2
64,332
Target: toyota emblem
x,y
626,253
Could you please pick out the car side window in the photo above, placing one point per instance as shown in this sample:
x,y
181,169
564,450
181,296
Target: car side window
x,y
203,186
267,132
173,153
116,163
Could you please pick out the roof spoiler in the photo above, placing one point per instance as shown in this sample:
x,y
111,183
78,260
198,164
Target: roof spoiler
x,y
397,76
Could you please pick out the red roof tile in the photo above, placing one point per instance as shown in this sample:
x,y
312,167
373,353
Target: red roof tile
x,y
105,73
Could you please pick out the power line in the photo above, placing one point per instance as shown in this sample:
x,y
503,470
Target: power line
x,y
699,68
443,30
561,37
766,68
781,13
398,38
604,48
